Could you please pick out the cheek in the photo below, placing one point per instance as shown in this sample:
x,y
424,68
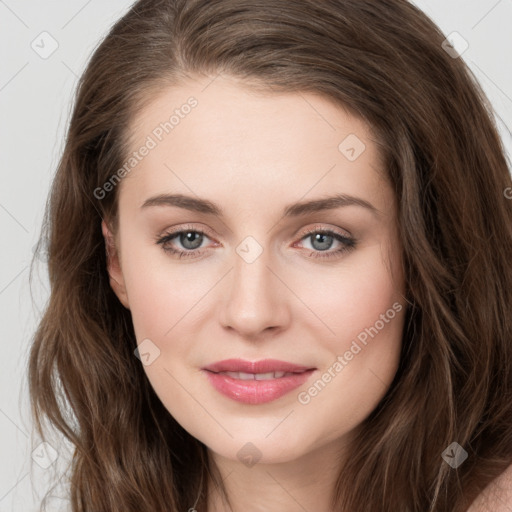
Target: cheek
x,y
367,316
160,292
352,296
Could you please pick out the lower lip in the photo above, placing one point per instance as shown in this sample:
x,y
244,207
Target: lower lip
x,y
256,391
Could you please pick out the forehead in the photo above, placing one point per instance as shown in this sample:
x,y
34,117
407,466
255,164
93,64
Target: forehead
x,y
219,137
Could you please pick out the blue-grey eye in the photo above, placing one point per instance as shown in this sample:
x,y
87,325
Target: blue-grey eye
x,y
191,239
321,241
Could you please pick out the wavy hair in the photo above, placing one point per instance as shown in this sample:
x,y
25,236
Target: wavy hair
x,y
385,62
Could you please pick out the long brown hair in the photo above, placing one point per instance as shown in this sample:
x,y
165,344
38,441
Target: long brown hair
x,y
384,60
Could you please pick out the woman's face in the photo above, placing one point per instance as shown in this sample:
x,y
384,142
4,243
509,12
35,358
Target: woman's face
x,y
289,251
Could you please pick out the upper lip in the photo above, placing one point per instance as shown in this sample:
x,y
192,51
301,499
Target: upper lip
x,y
263,366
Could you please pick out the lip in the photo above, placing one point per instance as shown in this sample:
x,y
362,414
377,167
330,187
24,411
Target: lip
x,y
256,391
263,366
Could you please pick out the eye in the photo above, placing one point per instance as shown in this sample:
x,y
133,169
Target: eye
x,y
190,239
321,240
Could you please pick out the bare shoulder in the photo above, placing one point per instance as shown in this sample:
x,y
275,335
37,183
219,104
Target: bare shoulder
x,y
497,496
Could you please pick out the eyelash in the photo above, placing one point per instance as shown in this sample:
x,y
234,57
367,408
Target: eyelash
x,y
348,243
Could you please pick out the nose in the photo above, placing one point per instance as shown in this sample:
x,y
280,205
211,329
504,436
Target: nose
x,y
256,300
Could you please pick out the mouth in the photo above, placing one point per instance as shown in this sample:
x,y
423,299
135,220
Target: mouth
x,y
257,376
262,367
256,382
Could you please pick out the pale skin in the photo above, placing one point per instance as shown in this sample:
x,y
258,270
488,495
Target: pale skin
x,y
252,155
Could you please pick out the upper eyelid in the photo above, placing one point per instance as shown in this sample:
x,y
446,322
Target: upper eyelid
x,y
321,228
173,233
314,228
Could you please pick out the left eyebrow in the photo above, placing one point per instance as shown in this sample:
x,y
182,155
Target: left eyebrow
x,y
293,210
328,203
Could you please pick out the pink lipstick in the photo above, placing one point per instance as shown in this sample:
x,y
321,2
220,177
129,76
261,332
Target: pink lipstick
x,y
256,382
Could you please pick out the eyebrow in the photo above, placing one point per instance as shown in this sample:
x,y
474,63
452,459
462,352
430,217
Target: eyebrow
x,y
293,210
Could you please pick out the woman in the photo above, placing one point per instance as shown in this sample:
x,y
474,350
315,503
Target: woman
x,y
279,246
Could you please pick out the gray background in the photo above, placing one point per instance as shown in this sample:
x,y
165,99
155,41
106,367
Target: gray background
x,y
35,101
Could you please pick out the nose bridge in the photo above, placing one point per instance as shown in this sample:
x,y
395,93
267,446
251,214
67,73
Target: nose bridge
x,y
255,300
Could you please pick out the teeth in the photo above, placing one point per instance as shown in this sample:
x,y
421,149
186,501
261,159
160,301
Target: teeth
x,y
256,376
267,376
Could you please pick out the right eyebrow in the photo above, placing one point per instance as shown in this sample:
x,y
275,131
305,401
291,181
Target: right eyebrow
x,y
186,202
